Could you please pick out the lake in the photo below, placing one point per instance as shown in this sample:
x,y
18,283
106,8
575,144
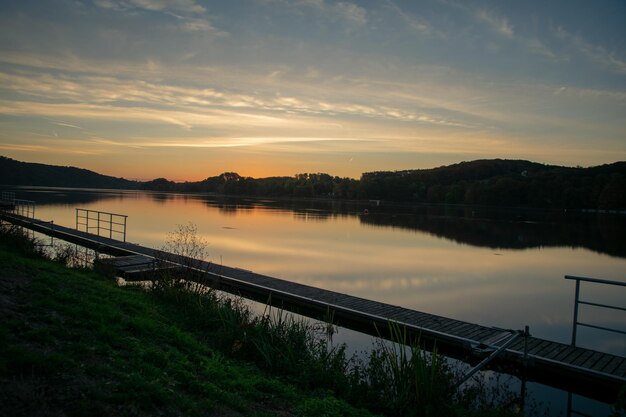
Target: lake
x,y
494,267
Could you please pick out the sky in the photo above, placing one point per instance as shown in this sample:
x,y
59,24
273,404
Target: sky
x,y
187,89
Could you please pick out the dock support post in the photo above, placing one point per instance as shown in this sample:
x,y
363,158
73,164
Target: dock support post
x,y
575,323
526,335
525,364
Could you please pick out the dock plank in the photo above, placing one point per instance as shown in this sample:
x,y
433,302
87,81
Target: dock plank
x,y
533,345
602,363
556,351
545,346
573,355
591,361
621,369
612,365
583,358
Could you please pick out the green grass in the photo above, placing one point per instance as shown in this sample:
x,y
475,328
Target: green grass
x,y
72,343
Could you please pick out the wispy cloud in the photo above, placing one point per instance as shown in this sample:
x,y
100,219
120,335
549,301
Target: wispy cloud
x,y
501,26
416,24
64,124
345,11
496,23
187,6
536,47
596,54
223,142
351,12
107,93
191,16
53,146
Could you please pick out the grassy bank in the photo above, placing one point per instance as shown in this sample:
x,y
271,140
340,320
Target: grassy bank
x,y
74,343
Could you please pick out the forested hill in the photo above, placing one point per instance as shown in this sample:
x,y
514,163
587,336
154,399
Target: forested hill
x,y
14,172
504,183
493,182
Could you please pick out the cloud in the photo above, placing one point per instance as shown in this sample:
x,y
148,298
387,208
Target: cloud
x,y
190,14
224,142
497,23
201,97
198,25
111,5
351,12
596,54
108,92
345,11
490,19
502,27
185,6
64,124
617,97
535,46
418,25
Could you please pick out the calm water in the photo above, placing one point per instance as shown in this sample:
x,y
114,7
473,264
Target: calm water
x,y
496,268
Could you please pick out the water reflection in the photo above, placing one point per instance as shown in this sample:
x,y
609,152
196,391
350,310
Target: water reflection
x,y
491,267
600,233
481,227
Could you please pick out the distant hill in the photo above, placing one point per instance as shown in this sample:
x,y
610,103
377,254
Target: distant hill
x,y
500,182
14,172
488,182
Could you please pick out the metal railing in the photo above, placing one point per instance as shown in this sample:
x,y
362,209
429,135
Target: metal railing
x,y
578,301
8,196
497,350
25,208
101,223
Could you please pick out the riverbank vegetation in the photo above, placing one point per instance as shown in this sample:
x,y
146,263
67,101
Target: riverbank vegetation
x,y
75,343
493,182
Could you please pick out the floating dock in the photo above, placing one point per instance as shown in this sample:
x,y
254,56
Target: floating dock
x,y
583,371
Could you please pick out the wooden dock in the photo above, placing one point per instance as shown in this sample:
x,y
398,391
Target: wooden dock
x,y
594,374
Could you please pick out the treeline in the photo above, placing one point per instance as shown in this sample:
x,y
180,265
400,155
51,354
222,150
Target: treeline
x,y
301,185
503,183
495,182
511,183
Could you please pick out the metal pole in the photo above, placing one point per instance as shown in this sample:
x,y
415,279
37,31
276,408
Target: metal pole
x,y
489,358
569,404
575,324
523,393
526,334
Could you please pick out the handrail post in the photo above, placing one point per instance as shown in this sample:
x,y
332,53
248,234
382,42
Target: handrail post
x,y
526,335
484,362
575,323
